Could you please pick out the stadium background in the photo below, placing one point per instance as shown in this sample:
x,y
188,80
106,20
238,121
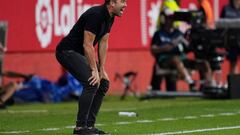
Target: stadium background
x,y
36,26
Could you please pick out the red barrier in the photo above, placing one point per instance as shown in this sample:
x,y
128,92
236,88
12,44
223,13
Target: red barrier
x,y
38,25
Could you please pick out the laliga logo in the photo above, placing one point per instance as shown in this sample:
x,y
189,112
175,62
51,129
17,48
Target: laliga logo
x,y
44,22
153,14
56,20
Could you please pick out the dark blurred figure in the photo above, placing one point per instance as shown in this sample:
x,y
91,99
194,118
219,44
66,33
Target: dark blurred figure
x,y
156,79
232,11
214,57
167,48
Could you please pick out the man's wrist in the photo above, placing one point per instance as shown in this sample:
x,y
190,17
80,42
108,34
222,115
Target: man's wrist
x,y
94,69
101,68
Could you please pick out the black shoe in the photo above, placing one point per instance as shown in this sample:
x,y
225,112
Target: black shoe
x,y
100,132
84,131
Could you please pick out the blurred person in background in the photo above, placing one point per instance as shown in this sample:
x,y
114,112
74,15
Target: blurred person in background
x,y
167,47
232,11
76,53
37,89
206,8
215,58
156,79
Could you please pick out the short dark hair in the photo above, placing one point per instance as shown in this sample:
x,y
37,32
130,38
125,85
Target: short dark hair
x,y
107,2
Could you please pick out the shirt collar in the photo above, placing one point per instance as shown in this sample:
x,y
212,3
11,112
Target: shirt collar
x,y
106,13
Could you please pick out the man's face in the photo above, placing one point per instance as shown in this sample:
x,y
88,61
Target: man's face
x,y
119,7
169,21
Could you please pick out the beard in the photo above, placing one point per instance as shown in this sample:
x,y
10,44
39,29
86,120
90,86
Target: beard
x,y
118,12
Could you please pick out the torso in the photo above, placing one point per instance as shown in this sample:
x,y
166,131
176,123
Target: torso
x,y
96,20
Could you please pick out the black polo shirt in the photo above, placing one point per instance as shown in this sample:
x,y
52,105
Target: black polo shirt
x,y
96,20
162,38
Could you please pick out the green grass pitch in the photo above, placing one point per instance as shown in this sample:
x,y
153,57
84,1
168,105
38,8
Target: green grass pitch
x,y
191,116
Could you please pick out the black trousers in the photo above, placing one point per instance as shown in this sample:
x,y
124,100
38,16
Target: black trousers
x,y
156,81
92,96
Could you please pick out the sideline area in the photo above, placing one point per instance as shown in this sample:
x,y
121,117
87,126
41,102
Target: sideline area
x,y
157,117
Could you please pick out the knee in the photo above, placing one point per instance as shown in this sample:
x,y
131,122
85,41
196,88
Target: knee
x,y
103,87
176,61
89,89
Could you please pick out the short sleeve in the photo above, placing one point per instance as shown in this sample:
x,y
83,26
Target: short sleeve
x,y
110,26
93,22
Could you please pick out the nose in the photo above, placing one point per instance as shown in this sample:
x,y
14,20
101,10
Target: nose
x,y
125,4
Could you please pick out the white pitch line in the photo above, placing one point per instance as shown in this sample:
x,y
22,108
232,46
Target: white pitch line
x,y
123,123
124,109
227,114
207,115
167,119
118,109
138,121
24,111
99,125
71,127
50,129
198,130
15,132
190,117
144,121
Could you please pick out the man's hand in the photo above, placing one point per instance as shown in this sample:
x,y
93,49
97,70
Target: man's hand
x,y
103,75
94,79
169,47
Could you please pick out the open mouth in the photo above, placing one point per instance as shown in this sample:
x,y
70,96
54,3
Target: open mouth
x,y
122,10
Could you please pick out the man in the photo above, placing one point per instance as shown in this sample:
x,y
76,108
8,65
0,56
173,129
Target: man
x,y
76,53
156,79
232,11
167,45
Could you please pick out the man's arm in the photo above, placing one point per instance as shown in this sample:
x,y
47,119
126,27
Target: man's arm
x,y
90,55
155,49
102,54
